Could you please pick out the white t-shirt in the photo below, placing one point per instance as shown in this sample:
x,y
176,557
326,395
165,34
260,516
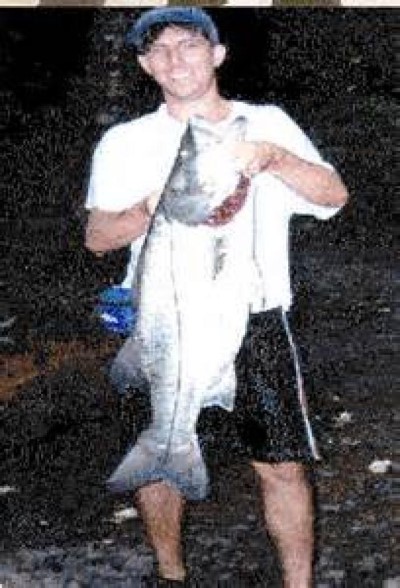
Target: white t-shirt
x,y
134,159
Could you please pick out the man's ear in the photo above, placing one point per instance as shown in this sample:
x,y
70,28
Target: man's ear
x,y
142,60
219,54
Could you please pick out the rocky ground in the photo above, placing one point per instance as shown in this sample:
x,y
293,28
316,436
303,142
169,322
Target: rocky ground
x,y
63,430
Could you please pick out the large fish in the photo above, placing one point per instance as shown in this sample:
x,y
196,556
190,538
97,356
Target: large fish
x,y
192,314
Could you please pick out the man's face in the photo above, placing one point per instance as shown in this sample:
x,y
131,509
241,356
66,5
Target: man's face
x,y
182,62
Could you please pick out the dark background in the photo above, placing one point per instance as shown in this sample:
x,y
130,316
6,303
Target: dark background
x,y
65,77
331,69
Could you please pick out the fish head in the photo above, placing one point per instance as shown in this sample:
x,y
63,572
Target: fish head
x,y
204,173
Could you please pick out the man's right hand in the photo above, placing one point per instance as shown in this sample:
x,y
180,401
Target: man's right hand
x,y
107,231
151,201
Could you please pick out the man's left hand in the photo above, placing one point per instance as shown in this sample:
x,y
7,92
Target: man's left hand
x,y
252,157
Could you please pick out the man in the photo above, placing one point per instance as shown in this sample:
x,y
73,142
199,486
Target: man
x,y
180,49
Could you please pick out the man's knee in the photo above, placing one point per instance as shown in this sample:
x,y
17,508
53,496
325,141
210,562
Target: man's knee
x,y
279,474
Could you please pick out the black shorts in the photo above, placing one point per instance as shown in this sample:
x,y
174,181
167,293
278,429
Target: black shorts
x,y
271,422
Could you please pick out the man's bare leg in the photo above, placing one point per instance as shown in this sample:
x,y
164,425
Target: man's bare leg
x,y
288,511
161,508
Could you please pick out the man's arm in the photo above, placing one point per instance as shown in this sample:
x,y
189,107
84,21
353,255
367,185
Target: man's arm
x,y
314,182
107,231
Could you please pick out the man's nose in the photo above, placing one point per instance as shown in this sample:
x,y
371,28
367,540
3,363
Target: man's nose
x,y
175,56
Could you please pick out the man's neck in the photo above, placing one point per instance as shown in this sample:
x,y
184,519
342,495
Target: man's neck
x,y
214,108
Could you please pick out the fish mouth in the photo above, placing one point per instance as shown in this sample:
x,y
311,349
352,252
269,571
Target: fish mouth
x,y
226,210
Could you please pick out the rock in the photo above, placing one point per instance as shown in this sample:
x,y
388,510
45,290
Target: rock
x,y
7,490
141,564
16,580
343,418
380,466
326,473
329,507
350,442
107,541
125,514
368,563
392,583
336,575
29,560
395,467
50,582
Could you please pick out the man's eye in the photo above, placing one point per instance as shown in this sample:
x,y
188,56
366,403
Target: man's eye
x,y
191,44
156,50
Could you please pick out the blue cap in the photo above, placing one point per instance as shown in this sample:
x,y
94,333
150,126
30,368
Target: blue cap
x,y
172,15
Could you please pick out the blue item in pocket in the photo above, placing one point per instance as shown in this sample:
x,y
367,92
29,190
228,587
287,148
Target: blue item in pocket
x,y
116,310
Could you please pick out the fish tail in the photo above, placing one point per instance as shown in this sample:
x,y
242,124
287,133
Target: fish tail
x,y
183,468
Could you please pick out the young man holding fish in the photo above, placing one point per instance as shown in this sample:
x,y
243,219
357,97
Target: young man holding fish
x,y
180,49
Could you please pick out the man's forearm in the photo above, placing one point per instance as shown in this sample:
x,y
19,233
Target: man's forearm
x,y
313,182
107,231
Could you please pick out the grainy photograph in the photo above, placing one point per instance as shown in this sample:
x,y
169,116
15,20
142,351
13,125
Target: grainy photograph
x,y
189,196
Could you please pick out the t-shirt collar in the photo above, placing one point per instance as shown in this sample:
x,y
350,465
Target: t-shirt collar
x,y
235,111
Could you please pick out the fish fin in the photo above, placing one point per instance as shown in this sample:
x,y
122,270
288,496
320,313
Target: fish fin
x,y
124,373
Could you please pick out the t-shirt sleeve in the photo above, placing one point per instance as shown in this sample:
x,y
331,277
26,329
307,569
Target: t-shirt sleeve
x,y
111,184
282,130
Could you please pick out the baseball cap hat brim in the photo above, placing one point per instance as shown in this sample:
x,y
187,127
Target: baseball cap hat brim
x,y
172,15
